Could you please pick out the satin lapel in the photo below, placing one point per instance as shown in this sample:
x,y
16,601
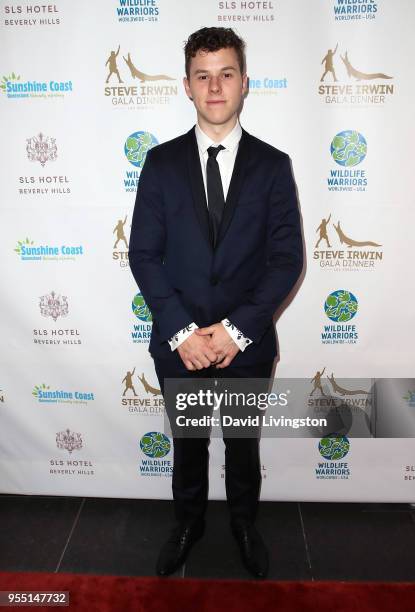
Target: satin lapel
x,y
237,179
196,183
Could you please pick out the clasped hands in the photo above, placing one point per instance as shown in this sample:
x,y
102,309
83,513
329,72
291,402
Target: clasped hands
x,y
208,346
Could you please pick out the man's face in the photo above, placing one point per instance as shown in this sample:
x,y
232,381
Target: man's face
x,y
216,86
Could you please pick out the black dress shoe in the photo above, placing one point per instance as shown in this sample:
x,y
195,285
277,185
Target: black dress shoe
x,y
254,554
174,552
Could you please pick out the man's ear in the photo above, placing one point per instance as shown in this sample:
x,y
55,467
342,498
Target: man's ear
x,y
187,88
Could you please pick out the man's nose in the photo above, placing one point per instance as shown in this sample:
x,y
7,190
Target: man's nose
x,y
214,84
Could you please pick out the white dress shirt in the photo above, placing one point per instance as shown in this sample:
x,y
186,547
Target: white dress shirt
x,y
226,161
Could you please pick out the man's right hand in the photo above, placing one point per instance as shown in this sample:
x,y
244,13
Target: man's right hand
x,y
196,353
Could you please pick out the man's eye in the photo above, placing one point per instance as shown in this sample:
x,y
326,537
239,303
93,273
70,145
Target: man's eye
x,y
227,74
202,77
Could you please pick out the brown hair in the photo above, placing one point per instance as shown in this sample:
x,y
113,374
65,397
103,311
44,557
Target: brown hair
x,y
213,39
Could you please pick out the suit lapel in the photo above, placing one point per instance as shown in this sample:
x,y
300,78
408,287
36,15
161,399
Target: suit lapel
x,y
235,186
197,185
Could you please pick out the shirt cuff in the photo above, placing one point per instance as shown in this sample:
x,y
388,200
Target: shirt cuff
x,y
182,335
237,336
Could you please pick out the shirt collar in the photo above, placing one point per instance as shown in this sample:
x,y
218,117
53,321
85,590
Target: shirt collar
x,y
230,142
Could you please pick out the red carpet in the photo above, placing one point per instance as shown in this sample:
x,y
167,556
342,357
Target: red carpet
x,y
107,593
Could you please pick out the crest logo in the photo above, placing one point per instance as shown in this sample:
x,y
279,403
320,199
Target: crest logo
x,y
155,444
348,148
335,448
41,148
54,306
340,306
68,440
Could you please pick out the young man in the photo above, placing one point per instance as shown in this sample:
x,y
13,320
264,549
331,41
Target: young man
x,y
215,248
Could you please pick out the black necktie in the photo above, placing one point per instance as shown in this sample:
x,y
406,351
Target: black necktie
x,y
216,200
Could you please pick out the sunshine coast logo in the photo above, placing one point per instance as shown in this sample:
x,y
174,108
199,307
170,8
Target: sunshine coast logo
x,y
45,395
348,10
155,446
349,254
340,307
136,147
141,332
267,86
148,401
14,87
348,149
133,88
355,87
137,10
333,449
28,251
31,15
248,11
54,306
120,248
43,150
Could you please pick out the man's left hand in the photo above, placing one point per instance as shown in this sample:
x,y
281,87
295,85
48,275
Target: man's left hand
x,y
221,343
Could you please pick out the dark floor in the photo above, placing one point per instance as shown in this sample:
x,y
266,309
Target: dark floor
x,y
307,541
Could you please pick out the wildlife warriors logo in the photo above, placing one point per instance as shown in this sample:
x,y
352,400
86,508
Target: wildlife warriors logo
x,y
340,307
69,440
136,147
354,87
410,398
148,401
334,448
41,148
155,444
133,88
140,309
120,248
343,252
53,305
348,149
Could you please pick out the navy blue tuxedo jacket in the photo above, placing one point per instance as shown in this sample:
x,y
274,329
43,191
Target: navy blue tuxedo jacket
x,y
256,261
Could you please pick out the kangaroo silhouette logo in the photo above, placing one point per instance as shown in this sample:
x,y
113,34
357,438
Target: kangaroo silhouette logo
x,y
361,76
137,74
149,389
349,241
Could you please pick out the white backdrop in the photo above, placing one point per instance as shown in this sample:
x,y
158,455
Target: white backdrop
x,y
85,337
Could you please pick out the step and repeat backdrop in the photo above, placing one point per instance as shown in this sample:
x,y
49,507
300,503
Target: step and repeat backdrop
x,y
86,89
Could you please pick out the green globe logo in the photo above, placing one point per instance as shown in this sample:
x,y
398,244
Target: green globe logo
x,y
155,444
334,448
137,146
340,306
348,148
140,309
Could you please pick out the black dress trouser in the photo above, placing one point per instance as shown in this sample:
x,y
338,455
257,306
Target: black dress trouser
x,y
191,455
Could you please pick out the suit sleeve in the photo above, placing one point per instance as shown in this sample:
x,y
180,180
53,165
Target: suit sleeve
x,y
284,259
146,254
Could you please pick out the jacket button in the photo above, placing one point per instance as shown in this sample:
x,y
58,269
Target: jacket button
x,y
214,281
